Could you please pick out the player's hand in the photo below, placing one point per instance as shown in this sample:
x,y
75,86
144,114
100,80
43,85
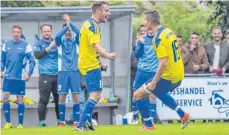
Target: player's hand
x,y
67,18
192,47
26,77
111,56
196,67
140,38
2,74
53,43
151,86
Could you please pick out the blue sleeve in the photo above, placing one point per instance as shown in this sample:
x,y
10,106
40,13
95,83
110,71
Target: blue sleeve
x,y
37,47
139,49
58,38
30,57
3,61
77,32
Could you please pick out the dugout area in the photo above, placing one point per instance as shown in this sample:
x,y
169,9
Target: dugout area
x,y
116,37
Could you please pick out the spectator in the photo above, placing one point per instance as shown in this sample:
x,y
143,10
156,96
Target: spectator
x,y
218,53
179,40
194,56
227,37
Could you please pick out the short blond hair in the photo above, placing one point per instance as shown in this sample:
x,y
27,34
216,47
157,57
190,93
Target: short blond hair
x,y
98,4
17,26
153,16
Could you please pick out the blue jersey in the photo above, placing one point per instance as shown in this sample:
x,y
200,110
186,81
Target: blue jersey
x,y
48,65
12,58
147,59
67,51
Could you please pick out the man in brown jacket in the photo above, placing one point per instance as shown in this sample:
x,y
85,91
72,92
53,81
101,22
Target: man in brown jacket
x,y
194,56
218,53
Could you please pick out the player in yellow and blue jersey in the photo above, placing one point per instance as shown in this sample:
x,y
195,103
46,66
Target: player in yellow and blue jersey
x,y
169,74
89,52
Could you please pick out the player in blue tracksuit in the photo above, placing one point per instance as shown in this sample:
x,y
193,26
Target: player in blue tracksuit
x,y
147,66
69,75
13,54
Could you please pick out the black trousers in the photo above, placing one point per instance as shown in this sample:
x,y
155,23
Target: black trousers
x,y
47,85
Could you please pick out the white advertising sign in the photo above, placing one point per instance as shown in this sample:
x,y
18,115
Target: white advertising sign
x,y
203,98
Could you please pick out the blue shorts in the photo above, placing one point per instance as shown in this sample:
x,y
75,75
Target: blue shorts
x,y
69,80
164,86
93,80
14,87
141,77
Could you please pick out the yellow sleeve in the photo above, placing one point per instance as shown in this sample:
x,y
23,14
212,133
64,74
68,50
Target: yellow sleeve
x,y
94,38
160,48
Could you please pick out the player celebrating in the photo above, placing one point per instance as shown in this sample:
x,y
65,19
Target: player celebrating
x,y
69,75
147,66
89,65
12,57
169,74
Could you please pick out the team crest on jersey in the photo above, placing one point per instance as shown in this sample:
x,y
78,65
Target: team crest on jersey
x,y
59,87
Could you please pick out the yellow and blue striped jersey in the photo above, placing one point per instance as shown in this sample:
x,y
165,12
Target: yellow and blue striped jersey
x,y
89,36
165,45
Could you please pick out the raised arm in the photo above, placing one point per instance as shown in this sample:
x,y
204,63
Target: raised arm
x,y
76,31
59,35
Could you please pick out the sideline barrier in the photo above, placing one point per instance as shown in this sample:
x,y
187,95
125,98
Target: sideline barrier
x,y
204,96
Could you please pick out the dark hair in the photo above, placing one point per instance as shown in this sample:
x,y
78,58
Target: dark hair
x,y
142,25
195,33
49,25
179,36
153,16
98,4
17,26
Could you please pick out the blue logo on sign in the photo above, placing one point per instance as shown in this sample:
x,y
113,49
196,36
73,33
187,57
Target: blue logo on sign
x,y
219,102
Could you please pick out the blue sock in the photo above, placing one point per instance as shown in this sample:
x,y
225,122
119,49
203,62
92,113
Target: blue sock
x,y
89,107
171,103
62,112
89,119
134,109
6,109
179,111
76,112
144,110
152,108
20,111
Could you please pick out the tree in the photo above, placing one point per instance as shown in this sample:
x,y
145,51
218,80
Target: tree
x,y
181,17
220,16
22,4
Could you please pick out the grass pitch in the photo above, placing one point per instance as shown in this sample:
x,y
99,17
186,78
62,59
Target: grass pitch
x,y
168,129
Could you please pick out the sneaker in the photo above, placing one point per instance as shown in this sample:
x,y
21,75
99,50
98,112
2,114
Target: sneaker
x,y
148,128
7,125
76,124
134,122
81,129
43,125
185,120
94,122
61,124
20,126
90,126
